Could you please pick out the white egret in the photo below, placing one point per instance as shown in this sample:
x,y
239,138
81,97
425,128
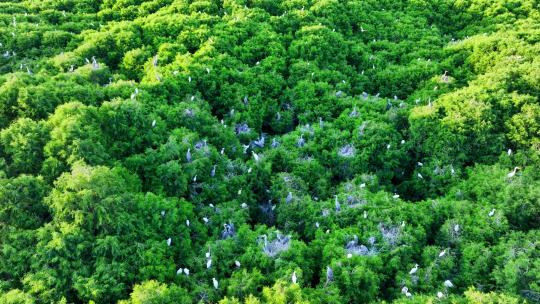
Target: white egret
x,y
414,269
492,212
237,263
289,197
215,282
442,253
169,241
255,156
511,174
448,284
188,155
294,278
208,263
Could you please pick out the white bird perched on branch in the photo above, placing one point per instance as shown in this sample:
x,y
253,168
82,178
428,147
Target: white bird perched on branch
x,y
448,284
511,174
255,156
442,253
294,278
414,269
215,282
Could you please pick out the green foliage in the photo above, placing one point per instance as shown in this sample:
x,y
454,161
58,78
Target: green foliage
x,y
173,151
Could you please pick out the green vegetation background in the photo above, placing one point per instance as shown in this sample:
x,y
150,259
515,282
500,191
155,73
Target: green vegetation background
x,y
365,135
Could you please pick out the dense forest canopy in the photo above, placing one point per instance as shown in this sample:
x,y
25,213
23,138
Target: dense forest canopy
x,y
265,151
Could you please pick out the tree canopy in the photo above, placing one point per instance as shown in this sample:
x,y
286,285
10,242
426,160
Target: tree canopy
x,y
296,151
